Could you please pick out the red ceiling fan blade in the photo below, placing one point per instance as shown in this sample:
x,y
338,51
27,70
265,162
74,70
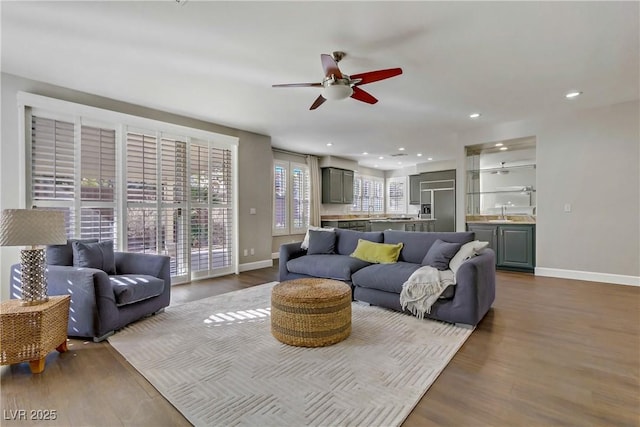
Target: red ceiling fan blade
x,y
363,96
299,85
374,76
330,66
318,102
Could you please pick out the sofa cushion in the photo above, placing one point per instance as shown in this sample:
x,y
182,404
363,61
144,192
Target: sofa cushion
x,y
416,245
130,288
440,253
391,277
63,254
382,253
347,240
339,267
321,242
95,255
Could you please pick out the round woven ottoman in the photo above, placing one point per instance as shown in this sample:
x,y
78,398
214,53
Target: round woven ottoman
x,y
311,312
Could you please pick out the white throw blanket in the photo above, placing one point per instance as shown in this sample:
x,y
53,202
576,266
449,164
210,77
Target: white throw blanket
x,y
423,288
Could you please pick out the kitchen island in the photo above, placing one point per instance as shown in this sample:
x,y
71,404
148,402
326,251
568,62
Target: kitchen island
x,y
380,223
410,224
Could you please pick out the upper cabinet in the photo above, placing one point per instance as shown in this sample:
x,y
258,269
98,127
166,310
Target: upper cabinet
x,y
337,186
438,176
501,181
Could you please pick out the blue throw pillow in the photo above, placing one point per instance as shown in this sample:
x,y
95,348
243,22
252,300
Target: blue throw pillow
x,y
440,253
95,255
63,254
321,242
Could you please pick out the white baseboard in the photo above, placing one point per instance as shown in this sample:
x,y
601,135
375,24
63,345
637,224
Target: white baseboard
x,y
590,276
275,255
255,265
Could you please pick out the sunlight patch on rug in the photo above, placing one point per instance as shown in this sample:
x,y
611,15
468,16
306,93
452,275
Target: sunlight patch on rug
x,y
216,361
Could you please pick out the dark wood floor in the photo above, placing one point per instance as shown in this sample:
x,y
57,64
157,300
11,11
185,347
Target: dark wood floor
x,y
550,352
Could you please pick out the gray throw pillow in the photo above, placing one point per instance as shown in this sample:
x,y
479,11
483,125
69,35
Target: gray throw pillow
x,y
321,242
63,254
440,253
95,255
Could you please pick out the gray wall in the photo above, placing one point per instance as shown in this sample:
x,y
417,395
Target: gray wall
x,y
254,163
589,159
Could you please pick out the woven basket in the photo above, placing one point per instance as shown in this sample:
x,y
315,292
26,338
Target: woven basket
x,y
311,312
31,332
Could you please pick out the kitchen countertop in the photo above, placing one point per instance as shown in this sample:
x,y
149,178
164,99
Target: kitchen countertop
x,y
497,222
403,220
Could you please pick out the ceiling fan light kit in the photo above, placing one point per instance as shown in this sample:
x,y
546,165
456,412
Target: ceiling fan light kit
x,y
336,85
335,92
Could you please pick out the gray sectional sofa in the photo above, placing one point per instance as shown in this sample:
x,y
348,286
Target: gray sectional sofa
x,y
381,284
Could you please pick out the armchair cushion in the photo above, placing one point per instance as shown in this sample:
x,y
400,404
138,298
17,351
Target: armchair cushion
x,y
130,288
94,255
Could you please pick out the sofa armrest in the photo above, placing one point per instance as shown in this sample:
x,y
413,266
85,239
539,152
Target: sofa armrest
x,y
92,297
476,286
288,251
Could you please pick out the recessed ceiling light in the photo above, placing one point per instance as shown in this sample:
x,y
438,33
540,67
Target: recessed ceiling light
x,y
504,148
380,158
329,144
401,149
364,153
499,144
474,115
375,166
429,158
573,94
399,163
419,154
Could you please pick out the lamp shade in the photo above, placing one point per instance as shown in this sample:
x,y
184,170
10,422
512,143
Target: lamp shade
x,y
30,227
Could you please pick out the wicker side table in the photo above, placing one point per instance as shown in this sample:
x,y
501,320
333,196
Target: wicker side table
x,y
311,312
29,333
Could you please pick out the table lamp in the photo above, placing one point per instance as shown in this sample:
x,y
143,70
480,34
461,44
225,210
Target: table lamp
x,y
31,227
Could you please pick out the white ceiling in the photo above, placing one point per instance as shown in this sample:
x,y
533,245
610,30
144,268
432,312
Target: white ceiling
x,y
216,61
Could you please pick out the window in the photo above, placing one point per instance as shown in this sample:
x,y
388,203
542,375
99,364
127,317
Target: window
x,y
56,151
368,194
291,198
397,195
158,189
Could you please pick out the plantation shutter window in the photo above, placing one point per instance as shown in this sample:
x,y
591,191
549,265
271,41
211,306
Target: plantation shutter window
x,y
291,198
156,188
368,194
280,194
396,195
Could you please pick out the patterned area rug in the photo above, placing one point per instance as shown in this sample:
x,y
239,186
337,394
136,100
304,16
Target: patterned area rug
x,y
216,361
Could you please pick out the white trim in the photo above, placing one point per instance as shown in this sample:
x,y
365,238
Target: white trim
x,y
275,255
617,279
57,105
256,265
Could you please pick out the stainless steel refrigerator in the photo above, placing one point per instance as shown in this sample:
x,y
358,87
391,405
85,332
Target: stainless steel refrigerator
x,y
441,196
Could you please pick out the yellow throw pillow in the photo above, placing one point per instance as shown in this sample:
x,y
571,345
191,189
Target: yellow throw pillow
x,y
379,253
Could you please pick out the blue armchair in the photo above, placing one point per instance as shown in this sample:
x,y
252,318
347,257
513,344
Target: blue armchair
x,y
103,303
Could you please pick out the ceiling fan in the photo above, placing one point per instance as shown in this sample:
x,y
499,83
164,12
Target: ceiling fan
x,y
337,85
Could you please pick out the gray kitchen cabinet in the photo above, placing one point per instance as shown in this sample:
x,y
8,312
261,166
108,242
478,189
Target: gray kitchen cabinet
x,y
414,189
517,246
514,244
337,186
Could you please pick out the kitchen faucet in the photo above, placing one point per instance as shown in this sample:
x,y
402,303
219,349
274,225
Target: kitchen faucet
x,y
503,210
